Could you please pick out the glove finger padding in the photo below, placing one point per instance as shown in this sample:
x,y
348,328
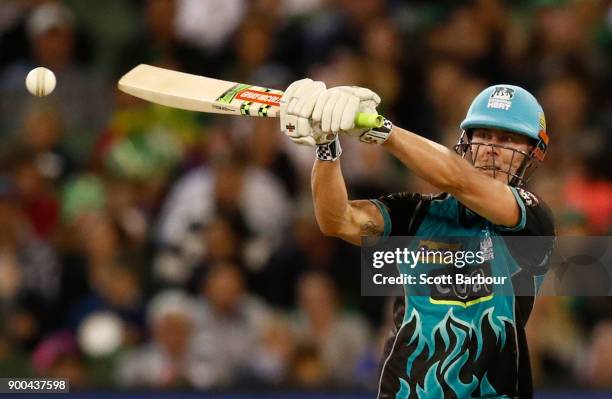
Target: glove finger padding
x,y
368,101
308,98
334,95
339,109
285,124
291,90
317,113
304,128
297,105
301,89
348,115
365,95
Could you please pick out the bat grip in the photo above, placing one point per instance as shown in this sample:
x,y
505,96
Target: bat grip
x,y
369,120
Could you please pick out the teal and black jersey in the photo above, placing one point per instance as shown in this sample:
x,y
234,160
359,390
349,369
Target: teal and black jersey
x,y
464,346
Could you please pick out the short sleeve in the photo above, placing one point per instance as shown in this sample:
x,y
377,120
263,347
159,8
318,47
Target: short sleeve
x,y
535,216
537,223
402,212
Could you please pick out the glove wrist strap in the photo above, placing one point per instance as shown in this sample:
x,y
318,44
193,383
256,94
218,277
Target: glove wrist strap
x,y
329,151
377,135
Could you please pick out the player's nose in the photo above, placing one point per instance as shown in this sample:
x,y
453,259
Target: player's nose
x,y
492,150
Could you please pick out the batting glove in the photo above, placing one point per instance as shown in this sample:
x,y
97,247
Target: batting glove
x,y
296,106
337,108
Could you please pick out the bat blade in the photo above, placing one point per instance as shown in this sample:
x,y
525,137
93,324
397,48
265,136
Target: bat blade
x,y
199,93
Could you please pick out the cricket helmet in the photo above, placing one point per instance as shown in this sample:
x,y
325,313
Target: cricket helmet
x,y
513,109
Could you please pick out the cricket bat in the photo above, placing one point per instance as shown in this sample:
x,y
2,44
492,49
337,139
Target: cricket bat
x,y
199,93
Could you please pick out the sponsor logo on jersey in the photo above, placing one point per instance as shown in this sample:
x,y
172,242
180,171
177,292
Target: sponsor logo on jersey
x,y
530,199
459,293
501,98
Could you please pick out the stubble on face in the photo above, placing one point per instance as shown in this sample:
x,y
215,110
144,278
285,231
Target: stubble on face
x,y
497,161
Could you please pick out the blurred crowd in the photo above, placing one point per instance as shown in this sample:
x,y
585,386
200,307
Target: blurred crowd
x,y
146,247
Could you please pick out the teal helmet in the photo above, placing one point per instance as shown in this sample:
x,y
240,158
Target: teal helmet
x,y
513,109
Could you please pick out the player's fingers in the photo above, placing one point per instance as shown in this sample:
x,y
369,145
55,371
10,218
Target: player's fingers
x,y
328,109
307,103
317,112
338,111
347,120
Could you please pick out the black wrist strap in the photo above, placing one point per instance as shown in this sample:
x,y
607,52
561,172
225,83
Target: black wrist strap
x,y
329,151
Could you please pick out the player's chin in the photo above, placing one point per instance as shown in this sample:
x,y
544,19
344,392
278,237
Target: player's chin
x,y
495,173
485,170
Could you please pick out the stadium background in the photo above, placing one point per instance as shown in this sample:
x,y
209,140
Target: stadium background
x,y
144,248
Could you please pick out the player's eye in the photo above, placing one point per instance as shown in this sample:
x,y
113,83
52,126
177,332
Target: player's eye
x,y
484,135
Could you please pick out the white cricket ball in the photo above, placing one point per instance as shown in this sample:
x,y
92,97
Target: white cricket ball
x,y
100,333
40,81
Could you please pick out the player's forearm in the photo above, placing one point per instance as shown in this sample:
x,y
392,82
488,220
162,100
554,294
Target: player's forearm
x,y
330,196
429,160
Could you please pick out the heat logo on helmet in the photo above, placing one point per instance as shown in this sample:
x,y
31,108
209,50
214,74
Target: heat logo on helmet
x,y
501,98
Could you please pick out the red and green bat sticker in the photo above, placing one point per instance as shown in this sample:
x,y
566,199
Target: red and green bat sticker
x,y
248,93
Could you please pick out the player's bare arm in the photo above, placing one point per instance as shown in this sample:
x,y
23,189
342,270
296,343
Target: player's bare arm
x,y
336,215
440,166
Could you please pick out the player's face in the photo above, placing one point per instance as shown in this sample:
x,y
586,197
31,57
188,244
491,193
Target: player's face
x,y
495,160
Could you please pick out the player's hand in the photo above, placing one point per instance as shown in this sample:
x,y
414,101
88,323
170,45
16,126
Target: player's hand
x,y
296,106
337,108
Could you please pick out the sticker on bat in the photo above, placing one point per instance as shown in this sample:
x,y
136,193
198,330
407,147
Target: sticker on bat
x,y
229,95
260,97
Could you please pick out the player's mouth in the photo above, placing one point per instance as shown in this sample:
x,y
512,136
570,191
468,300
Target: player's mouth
x,y
490,170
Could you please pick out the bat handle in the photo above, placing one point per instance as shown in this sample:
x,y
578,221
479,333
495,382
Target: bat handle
x,y
369,120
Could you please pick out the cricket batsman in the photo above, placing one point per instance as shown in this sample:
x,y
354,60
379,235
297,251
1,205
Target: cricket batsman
x,y
442,347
